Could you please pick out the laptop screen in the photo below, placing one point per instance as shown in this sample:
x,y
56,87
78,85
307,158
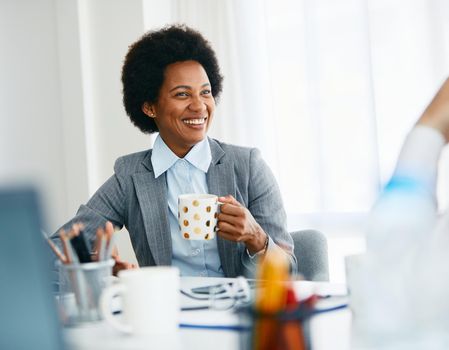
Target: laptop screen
x,y
28,317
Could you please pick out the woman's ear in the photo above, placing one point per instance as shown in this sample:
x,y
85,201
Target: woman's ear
x,y
148,109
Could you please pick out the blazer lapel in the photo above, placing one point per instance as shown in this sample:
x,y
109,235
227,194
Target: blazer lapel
x,y
152,196
221,182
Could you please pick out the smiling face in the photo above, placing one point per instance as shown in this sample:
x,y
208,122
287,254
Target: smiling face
x,y
184,108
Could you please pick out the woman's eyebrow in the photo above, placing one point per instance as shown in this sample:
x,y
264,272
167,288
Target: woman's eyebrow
x,y
187,87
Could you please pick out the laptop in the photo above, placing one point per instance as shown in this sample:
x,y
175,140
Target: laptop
x,y
28,315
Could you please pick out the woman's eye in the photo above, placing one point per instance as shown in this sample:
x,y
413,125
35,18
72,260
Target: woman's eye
x,y
206,92
182,94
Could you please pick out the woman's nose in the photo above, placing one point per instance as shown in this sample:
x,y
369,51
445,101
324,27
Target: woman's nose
x,y
197,105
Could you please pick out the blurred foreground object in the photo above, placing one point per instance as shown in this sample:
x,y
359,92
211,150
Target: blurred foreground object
x,y
273,299
399,288
28,315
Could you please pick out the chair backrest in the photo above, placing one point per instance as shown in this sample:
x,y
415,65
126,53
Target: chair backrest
x,y
311,254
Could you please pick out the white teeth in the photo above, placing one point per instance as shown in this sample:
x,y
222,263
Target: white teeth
x,y
194,121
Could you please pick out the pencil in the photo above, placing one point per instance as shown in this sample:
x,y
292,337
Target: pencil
x,y
56,250
65,246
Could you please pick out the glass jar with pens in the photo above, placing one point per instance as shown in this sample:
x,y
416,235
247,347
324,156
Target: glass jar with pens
x,y
81,286
83,274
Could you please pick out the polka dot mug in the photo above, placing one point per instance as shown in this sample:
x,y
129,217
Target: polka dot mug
x,y
197,216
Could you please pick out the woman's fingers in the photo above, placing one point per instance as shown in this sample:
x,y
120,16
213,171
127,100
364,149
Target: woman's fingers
x,y
228,236
235,223
230,206
231,219
227,228
228,199
232,209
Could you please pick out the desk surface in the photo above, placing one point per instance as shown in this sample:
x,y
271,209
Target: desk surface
x,y
328,331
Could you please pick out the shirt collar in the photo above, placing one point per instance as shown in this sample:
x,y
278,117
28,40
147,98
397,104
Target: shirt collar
x,y
163,158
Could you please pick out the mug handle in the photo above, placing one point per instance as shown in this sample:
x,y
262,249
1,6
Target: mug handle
x,y
105,306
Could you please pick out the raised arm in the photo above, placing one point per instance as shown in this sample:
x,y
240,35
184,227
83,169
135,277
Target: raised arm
x,y
436,114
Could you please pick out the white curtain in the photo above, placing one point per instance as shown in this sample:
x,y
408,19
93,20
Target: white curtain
x,y
326,89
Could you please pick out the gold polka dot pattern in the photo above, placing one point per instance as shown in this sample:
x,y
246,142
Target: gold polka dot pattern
x,y
197,216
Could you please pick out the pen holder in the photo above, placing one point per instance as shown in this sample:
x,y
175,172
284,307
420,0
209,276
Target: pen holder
x,y
81,286
283,330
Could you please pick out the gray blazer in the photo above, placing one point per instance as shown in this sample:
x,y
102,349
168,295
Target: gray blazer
x,y
133,197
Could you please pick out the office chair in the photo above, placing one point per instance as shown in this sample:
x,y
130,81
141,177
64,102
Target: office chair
x,y
311,254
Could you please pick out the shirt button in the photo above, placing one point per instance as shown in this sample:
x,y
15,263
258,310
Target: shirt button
x,y
203,273
195,252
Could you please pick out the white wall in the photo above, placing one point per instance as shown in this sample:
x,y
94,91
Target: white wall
x,y
107,29
62,123
31,127
62,120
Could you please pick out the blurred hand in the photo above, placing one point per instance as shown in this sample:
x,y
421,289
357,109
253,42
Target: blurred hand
x,y
235,223
436,114
121,265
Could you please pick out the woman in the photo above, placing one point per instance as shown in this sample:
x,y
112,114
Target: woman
x,y
171,80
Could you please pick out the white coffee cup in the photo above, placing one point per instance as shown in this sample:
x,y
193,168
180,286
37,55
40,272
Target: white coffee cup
x,y
197,216
150,301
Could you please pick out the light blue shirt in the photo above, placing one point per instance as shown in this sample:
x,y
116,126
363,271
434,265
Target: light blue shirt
x,y
187,175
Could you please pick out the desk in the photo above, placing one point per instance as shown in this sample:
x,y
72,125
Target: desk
x,y
328,331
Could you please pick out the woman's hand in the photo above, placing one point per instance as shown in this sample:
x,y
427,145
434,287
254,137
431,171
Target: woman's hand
x,y
120,264
436,114
235,223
